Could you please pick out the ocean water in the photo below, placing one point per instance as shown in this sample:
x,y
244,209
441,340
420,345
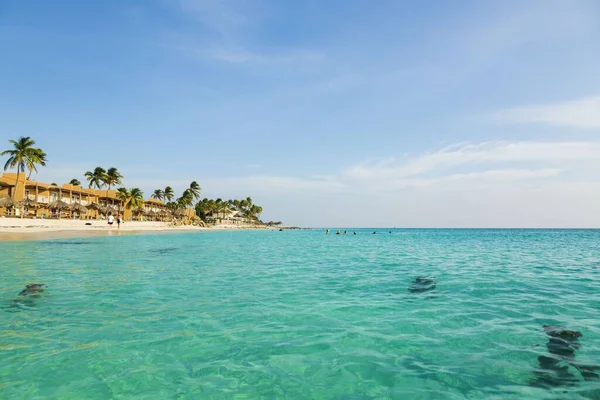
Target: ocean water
x,y
299,315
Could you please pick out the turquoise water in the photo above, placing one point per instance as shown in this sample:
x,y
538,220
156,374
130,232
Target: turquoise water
x,y
297,314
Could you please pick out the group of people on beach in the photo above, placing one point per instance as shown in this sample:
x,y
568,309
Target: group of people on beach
x,y
111,221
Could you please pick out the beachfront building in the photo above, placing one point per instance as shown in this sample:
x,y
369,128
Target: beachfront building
x,y
31,199
230,217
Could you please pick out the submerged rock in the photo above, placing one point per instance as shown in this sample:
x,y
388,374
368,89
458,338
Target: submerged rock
x,y
33,289
422,284
556,369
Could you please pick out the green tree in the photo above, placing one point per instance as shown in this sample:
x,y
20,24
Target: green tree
x,y
112,178
194,190
169,194
40,158
123,197
75,182
23,156
96,178
158,195
186,200
133,198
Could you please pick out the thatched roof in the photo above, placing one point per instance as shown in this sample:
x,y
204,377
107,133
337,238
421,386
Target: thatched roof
x,y
93,206
58,205
179,212
28,203
78,208
7,202
151,213
139,211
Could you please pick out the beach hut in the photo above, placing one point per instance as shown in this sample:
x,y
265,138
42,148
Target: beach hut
x,y
77,209
26,205
151,214
139,212
7,203
58,206
94,207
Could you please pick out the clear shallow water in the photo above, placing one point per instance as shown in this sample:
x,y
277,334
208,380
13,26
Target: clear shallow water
x,y
297,314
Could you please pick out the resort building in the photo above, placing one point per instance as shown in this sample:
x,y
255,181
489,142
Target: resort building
x,y
230,217
31,199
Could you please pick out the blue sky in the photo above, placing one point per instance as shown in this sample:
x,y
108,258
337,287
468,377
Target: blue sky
x,y
327,113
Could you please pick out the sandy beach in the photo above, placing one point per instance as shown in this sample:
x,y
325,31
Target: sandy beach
x,y
36,229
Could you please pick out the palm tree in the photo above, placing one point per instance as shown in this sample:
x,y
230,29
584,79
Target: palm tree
x,y
195,190
186,200
133,198
158,195
23,156
123,196
75,182
168,193
136,198
111,178
39,158
96,178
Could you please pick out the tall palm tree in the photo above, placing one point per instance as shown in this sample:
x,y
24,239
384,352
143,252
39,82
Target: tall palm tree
x,y
96,178
112,178
23,156
40,158
75,182
133,198
186,200
123,196
169,193
195,190
136,198
158,195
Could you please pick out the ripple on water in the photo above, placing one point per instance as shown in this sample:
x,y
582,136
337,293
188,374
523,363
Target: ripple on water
x,y
297,315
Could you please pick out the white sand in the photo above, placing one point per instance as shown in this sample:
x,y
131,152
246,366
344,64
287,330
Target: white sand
x,y
24,229
35,229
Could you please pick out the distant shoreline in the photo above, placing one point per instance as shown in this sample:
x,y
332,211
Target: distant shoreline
x,y
17,229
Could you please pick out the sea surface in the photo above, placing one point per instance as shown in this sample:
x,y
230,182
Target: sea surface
x,y
299,315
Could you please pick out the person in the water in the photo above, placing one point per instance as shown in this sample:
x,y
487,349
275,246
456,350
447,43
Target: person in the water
x,y
327,232
355,233
338,232
345,233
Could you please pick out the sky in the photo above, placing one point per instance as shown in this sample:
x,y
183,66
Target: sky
x,y
330,113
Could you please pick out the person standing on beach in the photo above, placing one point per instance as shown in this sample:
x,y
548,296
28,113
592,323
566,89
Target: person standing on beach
x,y
111,220
119,220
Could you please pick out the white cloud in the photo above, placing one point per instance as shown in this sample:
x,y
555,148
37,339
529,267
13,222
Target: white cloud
x,y
578,113
476,154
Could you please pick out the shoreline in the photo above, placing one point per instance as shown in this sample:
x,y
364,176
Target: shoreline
x,y
16,229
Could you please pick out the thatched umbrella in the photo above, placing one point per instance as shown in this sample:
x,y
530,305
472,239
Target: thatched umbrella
x,y
78,208
58,205
93,206
7,202
139,211
28,203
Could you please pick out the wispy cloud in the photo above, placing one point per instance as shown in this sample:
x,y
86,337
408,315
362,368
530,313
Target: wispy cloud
x,y
478,155
579,113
